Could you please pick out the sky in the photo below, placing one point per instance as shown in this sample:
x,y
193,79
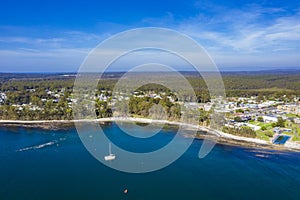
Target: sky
x,y
56,36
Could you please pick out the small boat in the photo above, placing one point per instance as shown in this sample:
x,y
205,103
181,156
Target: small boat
x,y
110,156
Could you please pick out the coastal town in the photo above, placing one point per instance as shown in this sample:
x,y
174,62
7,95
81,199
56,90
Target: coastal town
x,y
150,100
276,120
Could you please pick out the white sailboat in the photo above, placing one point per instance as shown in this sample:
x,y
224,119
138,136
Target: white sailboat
x,y
110,156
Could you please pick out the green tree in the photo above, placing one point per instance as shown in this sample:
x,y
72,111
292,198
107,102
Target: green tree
x,y
263,128
239,111
238,119
280,122
203,115
260,119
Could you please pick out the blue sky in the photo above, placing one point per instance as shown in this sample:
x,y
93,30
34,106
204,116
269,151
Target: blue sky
x,y
55,36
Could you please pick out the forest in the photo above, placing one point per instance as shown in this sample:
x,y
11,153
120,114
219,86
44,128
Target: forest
x,y
33,91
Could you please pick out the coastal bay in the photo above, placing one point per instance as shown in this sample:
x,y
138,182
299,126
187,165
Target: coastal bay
x,y
31,156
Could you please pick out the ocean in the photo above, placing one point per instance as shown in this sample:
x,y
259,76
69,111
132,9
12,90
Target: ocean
x,y
54,164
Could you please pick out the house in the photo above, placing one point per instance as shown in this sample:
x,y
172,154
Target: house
x,y
297,120
251,105
50,92
191,105
287,130
277,130
207,106
3,97
102,97
246,118
290,108
157,97
254,127
269,119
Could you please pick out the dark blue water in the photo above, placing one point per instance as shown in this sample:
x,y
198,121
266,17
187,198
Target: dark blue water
x,y
39,164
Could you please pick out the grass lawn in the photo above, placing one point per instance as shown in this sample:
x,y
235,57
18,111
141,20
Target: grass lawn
x,y
297,128
262,135
267,125
295,139
292,115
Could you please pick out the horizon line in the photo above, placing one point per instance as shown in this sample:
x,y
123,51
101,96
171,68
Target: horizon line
x,y
186,71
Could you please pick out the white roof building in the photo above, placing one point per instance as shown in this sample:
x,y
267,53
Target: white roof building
x,y
268,119
3,97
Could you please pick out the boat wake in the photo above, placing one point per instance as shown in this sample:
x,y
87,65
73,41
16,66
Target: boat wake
x,y
40,146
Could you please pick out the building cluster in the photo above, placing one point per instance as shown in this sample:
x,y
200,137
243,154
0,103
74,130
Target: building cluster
x,y
263,115
240,111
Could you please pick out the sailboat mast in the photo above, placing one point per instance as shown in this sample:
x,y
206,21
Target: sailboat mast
x,y
109,148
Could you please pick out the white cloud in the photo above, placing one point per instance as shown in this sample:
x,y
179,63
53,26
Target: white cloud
x,y
251,36
247,37
24,38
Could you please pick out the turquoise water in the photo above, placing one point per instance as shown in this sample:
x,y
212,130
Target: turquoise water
x,y
40,164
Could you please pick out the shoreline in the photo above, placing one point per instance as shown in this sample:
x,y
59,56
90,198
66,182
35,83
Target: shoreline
x,y
218,136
